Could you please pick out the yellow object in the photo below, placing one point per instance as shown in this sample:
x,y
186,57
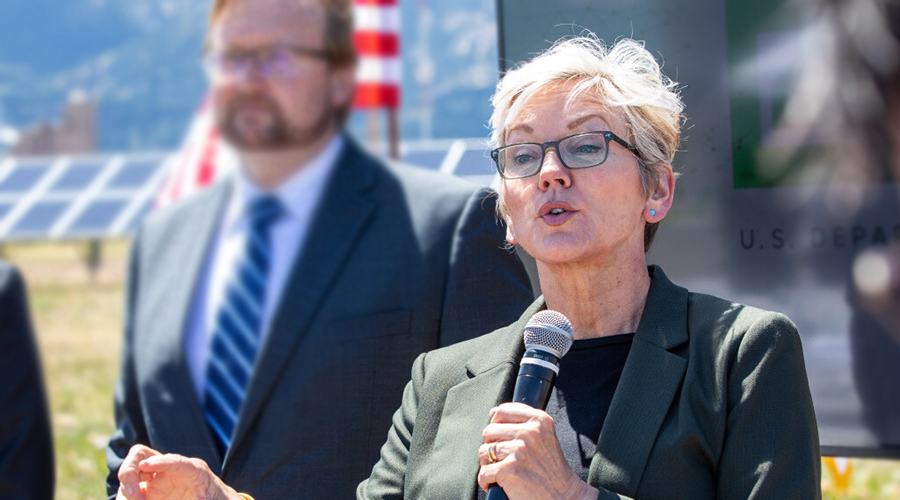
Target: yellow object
x,y
840,468
246,496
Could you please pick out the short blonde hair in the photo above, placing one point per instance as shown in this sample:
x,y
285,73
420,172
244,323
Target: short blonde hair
x,y
625,77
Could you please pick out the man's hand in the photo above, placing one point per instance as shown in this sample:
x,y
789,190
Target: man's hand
x,y
147,474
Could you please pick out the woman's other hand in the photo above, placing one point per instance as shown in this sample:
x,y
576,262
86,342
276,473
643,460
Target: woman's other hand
x,y
529,462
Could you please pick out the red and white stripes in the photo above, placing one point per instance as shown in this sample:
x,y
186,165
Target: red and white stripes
x,y
200,161
377,40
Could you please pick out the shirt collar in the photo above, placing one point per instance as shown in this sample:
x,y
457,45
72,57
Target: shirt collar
x,y
299,193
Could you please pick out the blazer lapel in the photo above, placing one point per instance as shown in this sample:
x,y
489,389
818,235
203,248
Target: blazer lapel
x,y
492,376
184,260
330,239
650,379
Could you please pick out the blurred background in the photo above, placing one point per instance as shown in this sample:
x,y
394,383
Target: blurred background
x,y
138,65
97,98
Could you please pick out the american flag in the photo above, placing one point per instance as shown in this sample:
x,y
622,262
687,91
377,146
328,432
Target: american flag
x,y
377,40
202,159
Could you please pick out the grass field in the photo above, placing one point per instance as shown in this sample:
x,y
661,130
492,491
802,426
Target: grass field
x,y
78,318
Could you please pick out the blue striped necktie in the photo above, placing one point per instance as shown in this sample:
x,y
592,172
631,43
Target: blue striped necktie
x,y
238,325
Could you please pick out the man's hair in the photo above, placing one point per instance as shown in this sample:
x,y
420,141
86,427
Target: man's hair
x,y
338,36
625,77
338,28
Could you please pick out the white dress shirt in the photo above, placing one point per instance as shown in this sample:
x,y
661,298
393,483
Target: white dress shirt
x,y
299,195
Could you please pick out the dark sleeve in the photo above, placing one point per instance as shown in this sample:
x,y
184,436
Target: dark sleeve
x,y
389,474
771,445
487,286
130,427
26,446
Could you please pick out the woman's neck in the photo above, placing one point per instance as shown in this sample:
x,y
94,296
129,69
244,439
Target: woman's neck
x,y
598,300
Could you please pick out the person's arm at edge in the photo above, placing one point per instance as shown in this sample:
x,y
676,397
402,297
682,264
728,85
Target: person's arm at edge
x,y
26,450
389,473
487,285
130,427
771,447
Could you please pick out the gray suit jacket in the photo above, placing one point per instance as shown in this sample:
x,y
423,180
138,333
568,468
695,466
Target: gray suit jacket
x,y
713,402
398,261
26,446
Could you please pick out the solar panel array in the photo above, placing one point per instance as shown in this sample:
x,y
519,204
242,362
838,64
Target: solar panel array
x,y
106,196
76,197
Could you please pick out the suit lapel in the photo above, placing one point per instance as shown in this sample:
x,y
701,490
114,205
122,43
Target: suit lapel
x,y
328,244
464,417
650,379
492,376
184,263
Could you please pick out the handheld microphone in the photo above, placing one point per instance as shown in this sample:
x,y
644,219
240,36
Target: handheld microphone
x,y
548,337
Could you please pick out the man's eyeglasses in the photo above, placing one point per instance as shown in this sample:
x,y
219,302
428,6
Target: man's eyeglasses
x,y
273,63
585,150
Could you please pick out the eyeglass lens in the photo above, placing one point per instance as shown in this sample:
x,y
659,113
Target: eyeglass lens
x,y
578,151
272,63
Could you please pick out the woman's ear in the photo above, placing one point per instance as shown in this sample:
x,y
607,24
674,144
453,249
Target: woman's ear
x,y
511,233
661,198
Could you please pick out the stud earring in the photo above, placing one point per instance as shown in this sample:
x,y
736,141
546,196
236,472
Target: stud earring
x,y
652,212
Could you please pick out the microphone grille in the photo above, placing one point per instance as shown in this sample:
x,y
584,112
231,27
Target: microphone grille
x,y
549,330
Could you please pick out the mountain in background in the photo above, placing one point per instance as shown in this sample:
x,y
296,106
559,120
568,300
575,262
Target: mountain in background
x,y
141,60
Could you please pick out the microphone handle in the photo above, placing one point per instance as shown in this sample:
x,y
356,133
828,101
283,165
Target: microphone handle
x,y
495,492
533,387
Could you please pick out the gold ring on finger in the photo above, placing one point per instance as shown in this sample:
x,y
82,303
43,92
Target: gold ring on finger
x,y
492,453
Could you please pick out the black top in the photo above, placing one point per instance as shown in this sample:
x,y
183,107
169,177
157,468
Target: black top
x,y
588,376
579,402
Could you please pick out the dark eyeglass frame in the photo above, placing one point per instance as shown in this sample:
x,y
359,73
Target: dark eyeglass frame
x,y
213,62
607,135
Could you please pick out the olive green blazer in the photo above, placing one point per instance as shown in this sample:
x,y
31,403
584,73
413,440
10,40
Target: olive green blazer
x,y
713,402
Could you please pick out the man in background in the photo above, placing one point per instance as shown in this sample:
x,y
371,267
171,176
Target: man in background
x,y
26,445
272,319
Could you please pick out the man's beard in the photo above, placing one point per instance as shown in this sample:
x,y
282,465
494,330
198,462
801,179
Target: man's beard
x,y
256,123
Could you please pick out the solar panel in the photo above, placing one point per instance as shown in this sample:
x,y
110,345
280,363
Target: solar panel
x,y
38,220
135,174
131,221
426,159
475,162
78,176
98,216
108,195
23,178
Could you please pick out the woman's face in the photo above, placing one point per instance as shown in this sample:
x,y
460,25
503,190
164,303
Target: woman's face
x,y
569,216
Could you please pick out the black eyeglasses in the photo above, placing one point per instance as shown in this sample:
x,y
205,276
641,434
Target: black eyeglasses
x,y
585,150
275,63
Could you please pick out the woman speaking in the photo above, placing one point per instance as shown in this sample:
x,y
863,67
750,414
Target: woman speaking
x,y
664,393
